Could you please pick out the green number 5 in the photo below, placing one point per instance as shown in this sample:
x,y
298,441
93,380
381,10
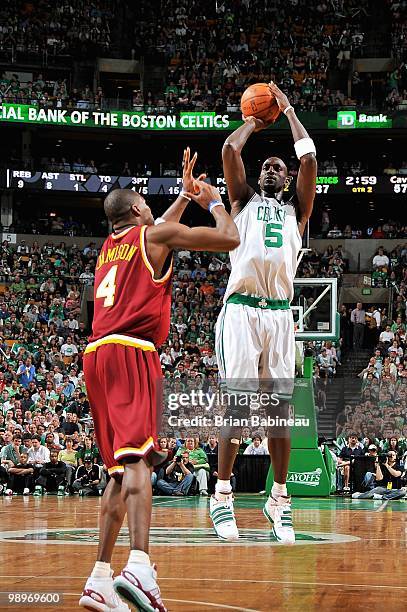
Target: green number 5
x,y
274,237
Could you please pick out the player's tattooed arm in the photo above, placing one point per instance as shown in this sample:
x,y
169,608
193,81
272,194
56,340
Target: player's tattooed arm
x,y
177,208
234,171
307,174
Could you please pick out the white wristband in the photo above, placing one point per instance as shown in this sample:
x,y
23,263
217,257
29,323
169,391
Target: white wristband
x,y
159,220
304,146
184,195
215,203
285,111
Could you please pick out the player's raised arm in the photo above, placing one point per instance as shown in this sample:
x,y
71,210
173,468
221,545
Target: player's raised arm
x,y
306,153
223,237
233,168
175,211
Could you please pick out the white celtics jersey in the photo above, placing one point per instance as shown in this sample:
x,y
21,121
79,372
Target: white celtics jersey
x,y
265,262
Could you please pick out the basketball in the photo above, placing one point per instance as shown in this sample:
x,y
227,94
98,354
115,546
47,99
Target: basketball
x,y
258,101
203,305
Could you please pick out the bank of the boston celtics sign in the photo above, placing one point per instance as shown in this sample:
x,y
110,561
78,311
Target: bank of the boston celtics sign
x,y
35,115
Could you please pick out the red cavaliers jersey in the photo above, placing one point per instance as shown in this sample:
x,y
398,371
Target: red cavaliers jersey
x,y
127,299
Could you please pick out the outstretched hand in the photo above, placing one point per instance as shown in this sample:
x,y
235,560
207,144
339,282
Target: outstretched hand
x,y
188,164
204,193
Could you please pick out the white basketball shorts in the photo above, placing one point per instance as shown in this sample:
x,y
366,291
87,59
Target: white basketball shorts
x,y
254,343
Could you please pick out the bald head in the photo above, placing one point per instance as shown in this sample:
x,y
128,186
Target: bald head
x,y
119,205
273,176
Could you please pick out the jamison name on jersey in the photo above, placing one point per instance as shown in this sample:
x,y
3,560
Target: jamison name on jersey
x,y
123,251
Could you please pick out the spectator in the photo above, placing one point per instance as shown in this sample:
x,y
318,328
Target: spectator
x,y
178,476
245,440
69,456
256,447
52,476
386,336
11,452
353,449
358,318
26,373
38,455
88,479
325,363
387,473
380,260
21,476
199,460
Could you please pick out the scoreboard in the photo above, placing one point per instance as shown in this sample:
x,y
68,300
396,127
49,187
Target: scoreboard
x,y
97,183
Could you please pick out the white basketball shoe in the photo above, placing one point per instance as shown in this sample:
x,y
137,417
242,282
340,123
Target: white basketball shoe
x,y
99,596
222,514
278,512
137,584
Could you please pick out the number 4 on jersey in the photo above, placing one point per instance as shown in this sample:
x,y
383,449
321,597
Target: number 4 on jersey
x,y
107,287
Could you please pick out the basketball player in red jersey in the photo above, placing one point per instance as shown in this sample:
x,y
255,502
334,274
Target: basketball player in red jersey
x,y
122,368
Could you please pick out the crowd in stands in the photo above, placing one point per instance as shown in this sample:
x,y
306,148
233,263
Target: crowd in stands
x,y
48,93
43,336
399,31
338,167
78,28
379,415
371,468
213,51
389,228
57,225
192,462
46,434
381,405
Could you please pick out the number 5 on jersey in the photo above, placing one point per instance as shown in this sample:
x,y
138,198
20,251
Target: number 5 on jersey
x,y
107,287
274,237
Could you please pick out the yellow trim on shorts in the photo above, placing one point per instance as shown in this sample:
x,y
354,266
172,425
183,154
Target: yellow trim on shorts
x,y
148,264
116,469
144,345
132,450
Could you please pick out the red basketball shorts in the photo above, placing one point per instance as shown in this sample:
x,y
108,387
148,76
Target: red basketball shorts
x,y
123,377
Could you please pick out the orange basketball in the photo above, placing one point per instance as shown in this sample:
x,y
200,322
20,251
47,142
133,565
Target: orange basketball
x,y
258,101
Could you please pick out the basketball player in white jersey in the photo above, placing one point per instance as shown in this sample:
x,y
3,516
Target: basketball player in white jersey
x,y
255,329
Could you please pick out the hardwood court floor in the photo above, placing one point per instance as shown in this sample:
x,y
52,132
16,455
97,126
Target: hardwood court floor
x,y
350,555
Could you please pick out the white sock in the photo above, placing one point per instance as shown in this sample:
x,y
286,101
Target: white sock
x,y
101,570
139,556
223,486
279,489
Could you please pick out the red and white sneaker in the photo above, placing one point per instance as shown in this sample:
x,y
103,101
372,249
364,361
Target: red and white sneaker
x,y
99,596
137,584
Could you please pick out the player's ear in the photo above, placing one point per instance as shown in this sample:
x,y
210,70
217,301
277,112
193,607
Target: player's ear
x,y
135,209
288,182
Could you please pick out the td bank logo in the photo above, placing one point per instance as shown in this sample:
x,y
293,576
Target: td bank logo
x,y
351,119
309,479
346,119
